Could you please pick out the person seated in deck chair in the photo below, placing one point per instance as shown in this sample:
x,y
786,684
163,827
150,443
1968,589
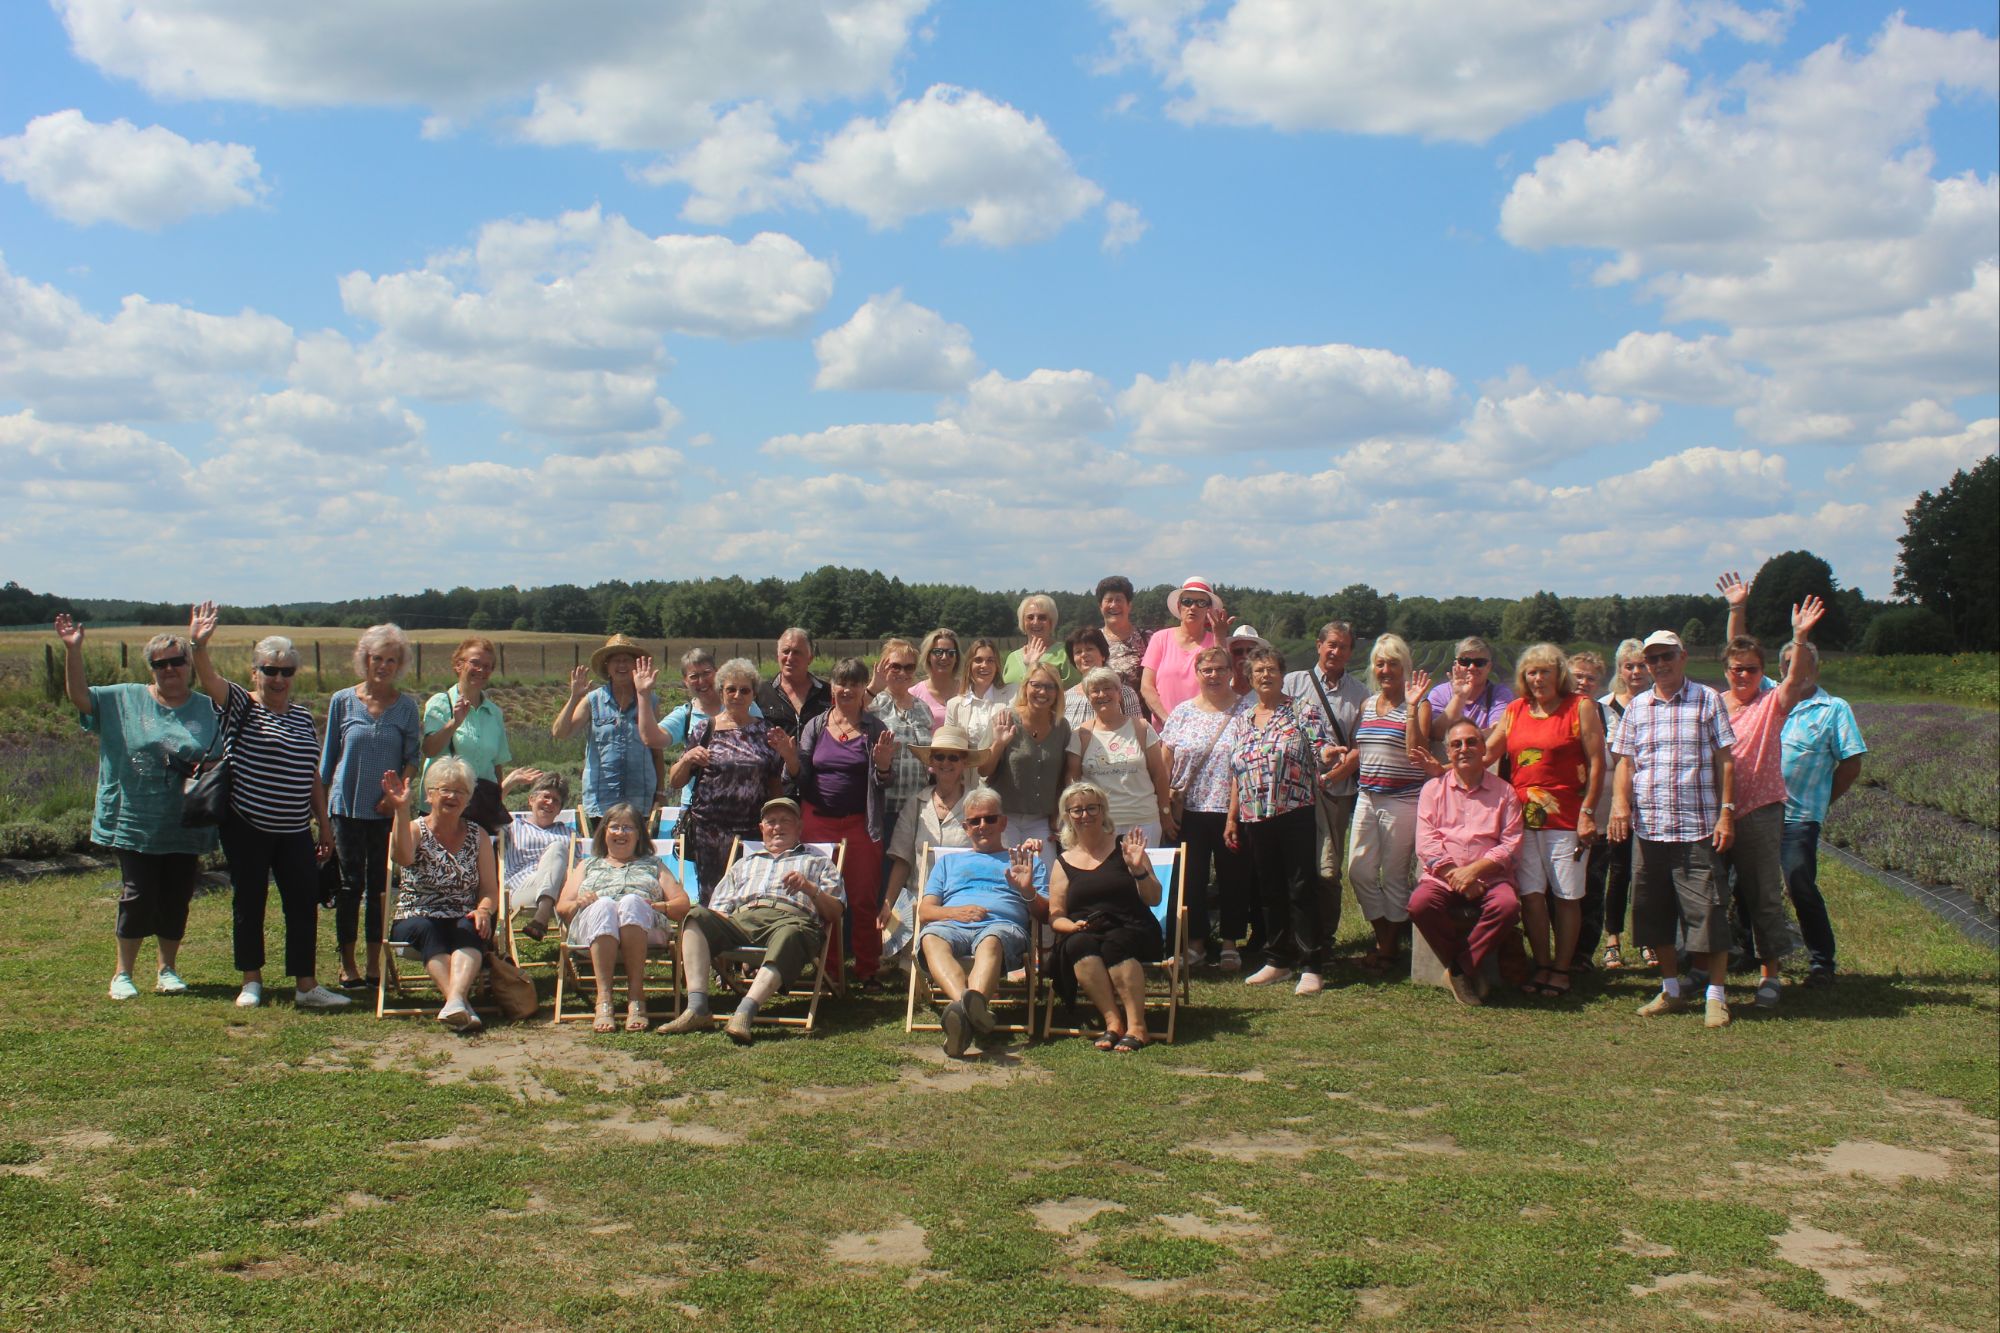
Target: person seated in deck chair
x,y
538,847
782,900
978,903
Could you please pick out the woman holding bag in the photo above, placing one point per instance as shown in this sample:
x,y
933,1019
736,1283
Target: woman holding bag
x,y
276,823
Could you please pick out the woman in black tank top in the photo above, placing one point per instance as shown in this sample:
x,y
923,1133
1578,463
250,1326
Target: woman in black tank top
x,y
1101,894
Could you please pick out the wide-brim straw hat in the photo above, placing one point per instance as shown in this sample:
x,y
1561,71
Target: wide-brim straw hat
x,y
616,644
952,737
1191,585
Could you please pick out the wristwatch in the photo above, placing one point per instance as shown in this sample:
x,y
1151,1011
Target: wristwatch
x,y
1730,806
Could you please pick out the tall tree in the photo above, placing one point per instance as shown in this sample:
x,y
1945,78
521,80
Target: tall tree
x,y
1541,618
1784,582
1947,560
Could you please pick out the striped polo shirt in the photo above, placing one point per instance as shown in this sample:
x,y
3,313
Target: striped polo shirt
x,y
1386,769
273,758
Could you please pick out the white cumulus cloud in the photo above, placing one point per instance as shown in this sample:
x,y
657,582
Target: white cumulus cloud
x,y
891,343
87,172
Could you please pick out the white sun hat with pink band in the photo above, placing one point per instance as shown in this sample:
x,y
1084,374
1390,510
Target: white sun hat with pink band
x,y
1197,585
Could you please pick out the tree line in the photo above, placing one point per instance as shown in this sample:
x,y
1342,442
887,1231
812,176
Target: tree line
x,y
1945,574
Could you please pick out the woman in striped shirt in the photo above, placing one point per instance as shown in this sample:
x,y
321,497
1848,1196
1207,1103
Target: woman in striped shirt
x,y
276,802
1395,763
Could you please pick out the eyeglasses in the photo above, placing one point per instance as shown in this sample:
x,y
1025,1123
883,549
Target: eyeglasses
x,y
168,663
1195,603
1082,811
439,793
942,651
1475,742
1473,661
1041,687
980,821
1744,668
900,666
287,671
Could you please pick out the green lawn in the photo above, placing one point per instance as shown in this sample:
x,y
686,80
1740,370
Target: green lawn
x,y
1375,1158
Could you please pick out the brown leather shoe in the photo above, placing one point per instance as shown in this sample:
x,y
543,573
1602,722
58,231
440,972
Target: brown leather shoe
x,y
1463,990
1664,1003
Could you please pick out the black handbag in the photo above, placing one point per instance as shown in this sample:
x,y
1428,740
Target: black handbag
x,y
205,794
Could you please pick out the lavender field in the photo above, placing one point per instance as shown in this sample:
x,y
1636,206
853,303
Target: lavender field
x,y
1928,801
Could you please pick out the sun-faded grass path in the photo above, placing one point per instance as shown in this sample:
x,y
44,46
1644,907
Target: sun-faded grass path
x,y
1374,1158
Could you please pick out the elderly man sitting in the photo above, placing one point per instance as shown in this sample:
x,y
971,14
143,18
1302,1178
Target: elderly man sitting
x,y
978,904
782,900
1468,830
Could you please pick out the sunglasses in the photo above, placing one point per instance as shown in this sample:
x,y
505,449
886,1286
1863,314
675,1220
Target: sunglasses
x,y
1473,661
980,821
946,757
902,666
1476,743
1658,659
286,671
944,652
1195,603
168,663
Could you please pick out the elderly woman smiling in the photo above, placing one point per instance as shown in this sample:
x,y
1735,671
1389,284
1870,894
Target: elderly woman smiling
x,y
449,892
614,904
1037,618
148,738
1122,756
370,727
462,720
276,800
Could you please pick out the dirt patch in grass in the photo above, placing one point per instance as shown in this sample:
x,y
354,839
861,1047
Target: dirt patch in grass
x,y
1842,1264
1243,1226
901,1245
1882,1161
1063,1216
1668,1283
1256,1147
1636,1245
625,1123
85,1139
1241,1075
994,1069
356,1201
524,1063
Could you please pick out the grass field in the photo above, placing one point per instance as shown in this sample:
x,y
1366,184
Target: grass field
x,y
1376,1158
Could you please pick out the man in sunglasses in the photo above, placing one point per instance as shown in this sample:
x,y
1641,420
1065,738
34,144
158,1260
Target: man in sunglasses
x,y
979,904
1675,792
1471,694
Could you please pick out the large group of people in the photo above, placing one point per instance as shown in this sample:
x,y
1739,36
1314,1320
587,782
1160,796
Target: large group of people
x,y
1506,826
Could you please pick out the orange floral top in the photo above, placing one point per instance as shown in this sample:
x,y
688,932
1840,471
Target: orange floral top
x,y
1549,768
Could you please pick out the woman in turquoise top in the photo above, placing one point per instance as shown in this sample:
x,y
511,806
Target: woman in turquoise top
x,y
463,721
149,738
613,904
618,766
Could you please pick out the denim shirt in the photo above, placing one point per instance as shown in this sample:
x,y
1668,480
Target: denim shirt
x,y
617,766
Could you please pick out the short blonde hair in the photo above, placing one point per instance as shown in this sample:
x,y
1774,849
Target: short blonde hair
x,y
1587,661
377,637
448,771
1035,601
1628,650
1544,654
1040,670
1392,645
1064,831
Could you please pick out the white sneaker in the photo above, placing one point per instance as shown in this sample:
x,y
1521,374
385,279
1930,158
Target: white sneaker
x,y
1232,961
1268,975
170,983
457,1014
1309,984
319,997
122,987
251,995
1196,956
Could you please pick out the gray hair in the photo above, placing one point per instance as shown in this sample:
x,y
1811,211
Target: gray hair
x,y
160,642
1473,643
1074,791
448,771
277,648
983,797
378,637
1785,653
737,668
552,781
696,657
1333,627
795,632
1103,675
1034,601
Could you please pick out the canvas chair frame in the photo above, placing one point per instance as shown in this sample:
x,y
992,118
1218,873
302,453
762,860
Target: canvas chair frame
x,y
923,990
826,976
1167,980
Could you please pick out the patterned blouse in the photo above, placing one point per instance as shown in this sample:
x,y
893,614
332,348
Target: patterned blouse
x,y
440,883
910,726
608,879
1276,765
1201,756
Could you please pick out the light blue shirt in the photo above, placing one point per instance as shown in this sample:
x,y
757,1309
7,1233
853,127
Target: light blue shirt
x,y
617,766
359,749
979,879
1818,735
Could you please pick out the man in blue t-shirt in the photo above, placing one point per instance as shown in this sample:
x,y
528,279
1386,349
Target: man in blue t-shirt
x,y
980,904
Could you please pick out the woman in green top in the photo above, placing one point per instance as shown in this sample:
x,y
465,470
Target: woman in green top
x,y
149,738
463,721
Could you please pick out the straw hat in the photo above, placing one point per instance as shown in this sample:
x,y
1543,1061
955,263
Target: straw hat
x,y
950,737
1196,585
616,644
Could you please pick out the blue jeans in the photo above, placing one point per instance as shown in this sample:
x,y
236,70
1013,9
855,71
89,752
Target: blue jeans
x,y
1800,855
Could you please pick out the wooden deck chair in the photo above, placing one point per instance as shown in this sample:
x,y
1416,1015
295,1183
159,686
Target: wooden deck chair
x,y
827,976
1025,993
405,985
509,909
1166,980
576,975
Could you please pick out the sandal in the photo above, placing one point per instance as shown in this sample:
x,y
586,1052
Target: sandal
x,y
1535,985
1376,963
1127,1044
1651,958
636,1017
607,1019
349,983
1108,1040
1614,958
1549,989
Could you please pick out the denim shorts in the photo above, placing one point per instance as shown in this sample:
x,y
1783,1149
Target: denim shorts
x,y
964,937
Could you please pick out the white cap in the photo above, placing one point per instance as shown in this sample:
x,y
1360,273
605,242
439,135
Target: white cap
x,y
1664,638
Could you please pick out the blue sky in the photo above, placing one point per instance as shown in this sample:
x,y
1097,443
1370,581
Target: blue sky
x,y
1443,297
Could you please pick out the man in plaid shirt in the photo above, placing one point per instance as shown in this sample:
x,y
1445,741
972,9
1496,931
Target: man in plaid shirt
x,y
1674,791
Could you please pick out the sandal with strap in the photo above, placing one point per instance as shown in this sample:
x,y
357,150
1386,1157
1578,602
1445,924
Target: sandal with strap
x,y
1614,958
1127,1044
607,1018
1535,985
1650,957
1549,989
1108,1040
1376,963
636,1017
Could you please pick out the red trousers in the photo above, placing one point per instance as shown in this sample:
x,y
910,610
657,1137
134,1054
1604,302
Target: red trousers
x,y
863,873
1440,914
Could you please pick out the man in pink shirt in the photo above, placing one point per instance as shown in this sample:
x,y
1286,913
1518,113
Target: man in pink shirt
x,y
1468,830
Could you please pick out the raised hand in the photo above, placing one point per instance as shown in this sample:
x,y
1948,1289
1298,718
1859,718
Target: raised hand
x,y
782,743
461,707
521,777
1032,650
1420,685
69,631
202,621
1807,614
395,790
1021,870
1133,844
885,750
1004,727
645,674
1733,589
579,682
1463,681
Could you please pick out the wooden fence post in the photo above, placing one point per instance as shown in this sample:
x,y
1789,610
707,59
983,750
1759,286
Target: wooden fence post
x,y
575,655
124,655
545,658
420,662
319,677
503,659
